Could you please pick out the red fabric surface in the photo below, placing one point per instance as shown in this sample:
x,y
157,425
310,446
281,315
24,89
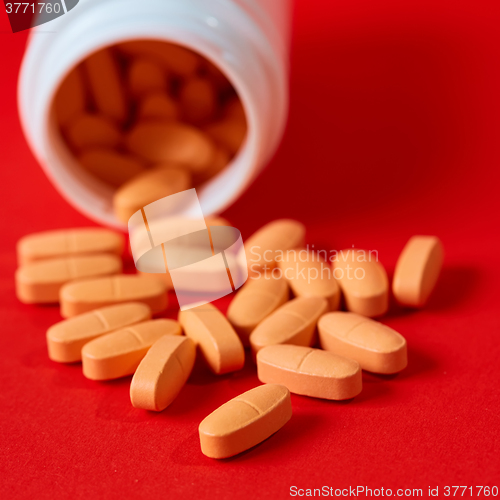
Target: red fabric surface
x,y
393,131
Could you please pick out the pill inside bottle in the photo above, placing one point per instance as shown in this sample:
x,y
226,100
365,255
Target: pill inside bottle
x,y
134,106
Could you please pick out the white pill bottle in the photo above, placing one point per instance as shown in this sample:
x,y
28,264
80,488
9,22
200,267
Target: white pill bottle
x,y
248,40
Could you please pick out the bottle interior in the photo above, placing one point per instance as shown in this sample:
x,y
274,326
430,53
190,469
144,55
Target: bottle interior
x,y
145,113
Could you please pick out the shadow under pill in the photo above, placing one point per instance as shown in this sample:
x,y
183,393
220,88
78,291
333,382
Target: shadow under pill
x,y
372,393
419,362
286,439
455,285
114,401
191,398
188,451
201,374
283,441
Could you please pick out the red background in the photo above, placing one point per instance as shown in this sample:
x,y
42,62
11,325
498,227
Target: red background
x,y
393,131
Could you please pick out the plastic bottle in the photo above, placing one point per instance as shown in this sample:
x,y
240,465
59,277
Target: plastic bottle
x,y
247,40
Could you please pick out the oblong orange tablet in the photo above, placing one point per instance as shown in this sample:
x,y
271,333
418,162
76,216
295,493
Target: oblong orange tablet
x,y
145,75
69,100
68,242
111,166
40,282
198,100
220,161
256,300
103,78
165,277
66,338
89,294
245,421
119,353
417,270
310,276
310,372
228,132
363,281
162,373
147,187
169,141
292,323
217,77
234,109
271,242
212,332
376,347
158,105
180,60
91,131
214,220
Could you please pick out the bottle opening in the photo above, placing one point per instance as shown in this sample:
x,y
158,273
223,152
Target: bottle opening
x,y
134,111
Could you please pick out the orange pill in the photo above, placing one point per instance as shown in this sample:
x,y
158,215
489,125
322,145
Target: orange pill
x,y
310,276
110,166
147,187
363,281
210,276
162,373
292,323
228,132
254,302
417,270
198,100
217,77
144,76
234,109
271,242
40,282
167,279
213,220
310,372
66,338
174,142
89,131
212,332
104,81
69,101
119,353
245,421
68,243
158,105
89,294
178,59
376,347
220,160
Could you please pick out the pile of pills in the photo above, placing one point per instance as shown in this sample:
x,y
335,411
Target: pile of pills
x,y
288,305
149,119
